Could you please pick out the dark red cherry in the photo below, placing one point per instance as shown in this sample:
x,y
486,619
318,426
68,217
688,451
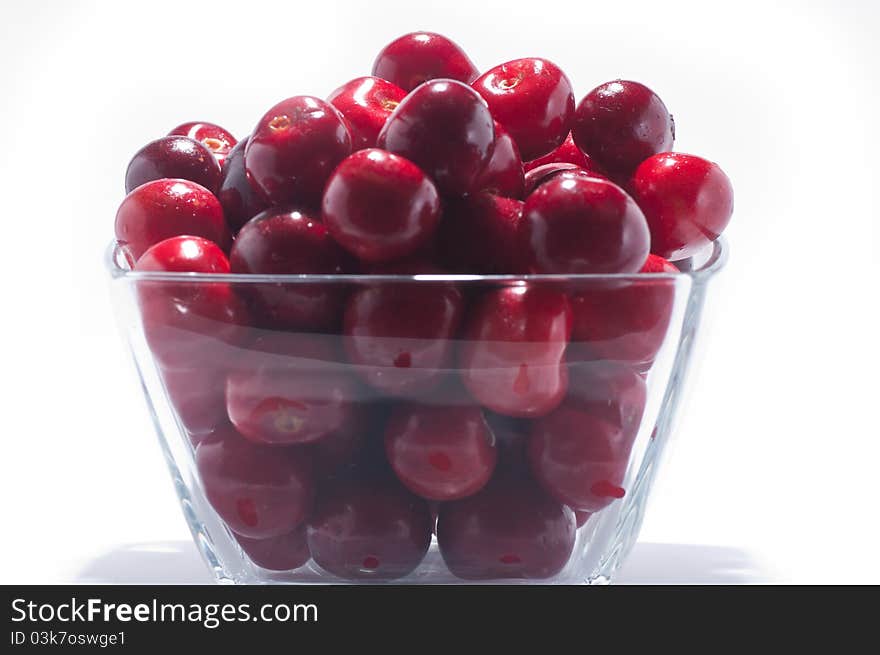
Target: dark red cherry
x,y
440,452
285,553
173,157
288,241
567,153
546,172
503,174
620,124
613,392
582,517
366,103
533,100
184,254
623,321
294,148
444,127
510,529
420,56
198,397
583,225
400,336
237,196
379,206
216,139
369,529
512,350
479,233
258,491
161,209
290,388
687,201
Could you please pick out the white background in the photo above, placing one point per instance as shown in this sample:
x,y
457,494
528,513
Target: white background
x,y
773,474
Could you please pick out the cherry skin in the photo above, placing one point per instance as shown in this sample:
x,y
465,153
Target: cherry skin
x,y
259,492
567,153
546,172
400,336
284,553
622,123
289,388
237,196
616,393
294,148
582,517
288,241
510,529
687,201
534,101
216,139
480,234
198,397
161,209
583,225
440,452
512,350
625,321
380,206
369,529
503,174
173,157
421,56
366,103
446,128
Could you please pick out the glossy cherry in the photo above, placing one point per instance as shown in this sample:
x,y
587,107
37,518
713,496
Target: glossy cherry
x,y
567,153
622,123
173,157
532,98
446,128
366,103
294,148
198,397
613,392
512,350
546,172
420,56
440,452
216,139
380,206
290,388
369,529
510,529
400,336
583,225
503,174
258,491
161,209
284,553
686,199
237,196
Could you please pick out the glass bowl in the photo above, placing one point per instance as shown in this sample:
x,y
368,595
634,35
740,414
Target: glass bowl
x,y
412,429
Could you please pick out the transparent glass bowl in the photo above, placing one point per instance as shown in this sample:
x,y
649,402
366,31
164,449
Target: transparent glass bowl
x,y
334,422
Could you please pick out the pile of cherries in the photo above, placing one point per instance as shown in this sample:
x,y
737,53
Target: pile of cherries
x,y
346,421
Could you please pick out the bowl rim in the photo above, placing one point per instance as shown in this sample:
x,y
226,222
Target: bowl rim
x,y
114,256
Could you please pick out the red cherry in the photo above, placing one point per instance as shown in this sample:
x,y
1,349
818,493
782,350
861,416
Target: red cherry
x,y
620,124
198,397
285,553
366,103
294,148
400,336
420,56
161,209
440,452
290,388
237,196
184,254
567,153
581,517
173,157
259,492
533,100
513,345
380,206
480,234
583,225
510,529
623,321
371,529
219,141
546,172
613,392
687,201
287,241
444,127
503,174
